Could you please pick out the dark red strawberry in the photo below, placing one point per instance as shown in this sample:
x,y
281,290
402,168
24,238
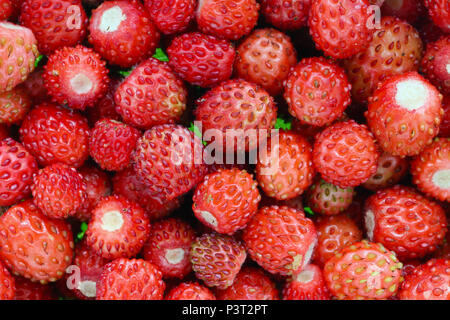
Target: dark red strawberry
x,y
429,32
105,108
286,14
444,129
409,10
28,290
4,132
436,64
439,11
34,86
171,16
190,291
328,199
309,284
14,105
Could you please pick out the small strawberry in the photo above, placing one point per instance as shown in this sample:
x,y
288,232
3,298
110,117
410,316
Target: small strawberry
x,y
444,129
105,108
122,32
308,284
28,290
328,199
130,279
408,10
7,284
404,114
171,16
6,9
14,105
34,86
439,11
217,259
362,271
280,239
286,14
436,64
190,291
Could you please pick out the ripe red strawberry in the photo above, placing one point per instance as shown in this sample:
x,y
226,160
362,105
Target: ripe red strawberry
x,y
404,114
363,271
340,28
171,16
226,200
27,290
4,132
286,170
229,19
76,77
151,95
54,134
439,11
408,10
190,291
6,9
18,54
405,222
118,228
429,281
436,64
34,86
17,169
21,228
201,59
122,32
317,91
168,158
105,108
334,233
111,144
345,154
431,170
168,247
7,284
286,14
396,48
217,259
280,239
328,199
444,129
55,23
130,279
308,284
236,104
14,105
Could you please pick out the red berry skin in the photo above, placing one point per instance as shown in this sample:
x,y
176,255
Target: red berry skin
x,y
24,225
105,108
59,191
444,129
157,160
4,132
172,16
53,134
435,63
6,9
229,19
408,10
7,284
17,170
151,95
34,86
439,11
201,59
27,290
190,291
345,154
340,29
429,281
286,14
308,284
403,124
328,199
405,222
14,105
266,234
122,32
55,23
431,170
118,228
168,247
130,279
226,200
265,58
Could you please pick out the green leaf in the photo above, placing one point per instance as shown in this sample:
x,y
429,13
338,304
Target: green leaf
x,y
197,132
160,55
83,228
125,73
283,124
38,60
308,211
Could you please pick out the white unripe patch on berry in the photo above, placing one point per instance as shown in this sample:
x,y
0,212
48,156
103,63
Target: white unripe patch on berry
x,y
447,67
209,218
88,288
81,83
111,19
369,220
411,94
112,221
441,179
305,276
12,26
174,256
309,253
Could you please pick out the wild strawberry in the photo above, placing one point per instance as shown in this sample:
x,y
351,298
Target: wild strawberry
x,y
439,11
14,105
217,259
265,58
190,291
201,59
226,200
171,16
34,86
168,158
54,134
21,228
285,171
4,132
229,19
130,279
328,199
105,108
151,95
431,170
17,169
396,48
6,9
363,270
28,290
76,77
429,281
345,154
122,32
317,91
436,66
405,222
18,54
7,284
308,284
55,23
286,14
408,10
168,247
280,239
444,129
118,228
404,114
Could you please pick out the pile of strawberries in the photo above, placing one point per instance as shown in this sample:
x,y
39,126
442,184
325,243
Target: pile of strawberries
x,y
106,114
